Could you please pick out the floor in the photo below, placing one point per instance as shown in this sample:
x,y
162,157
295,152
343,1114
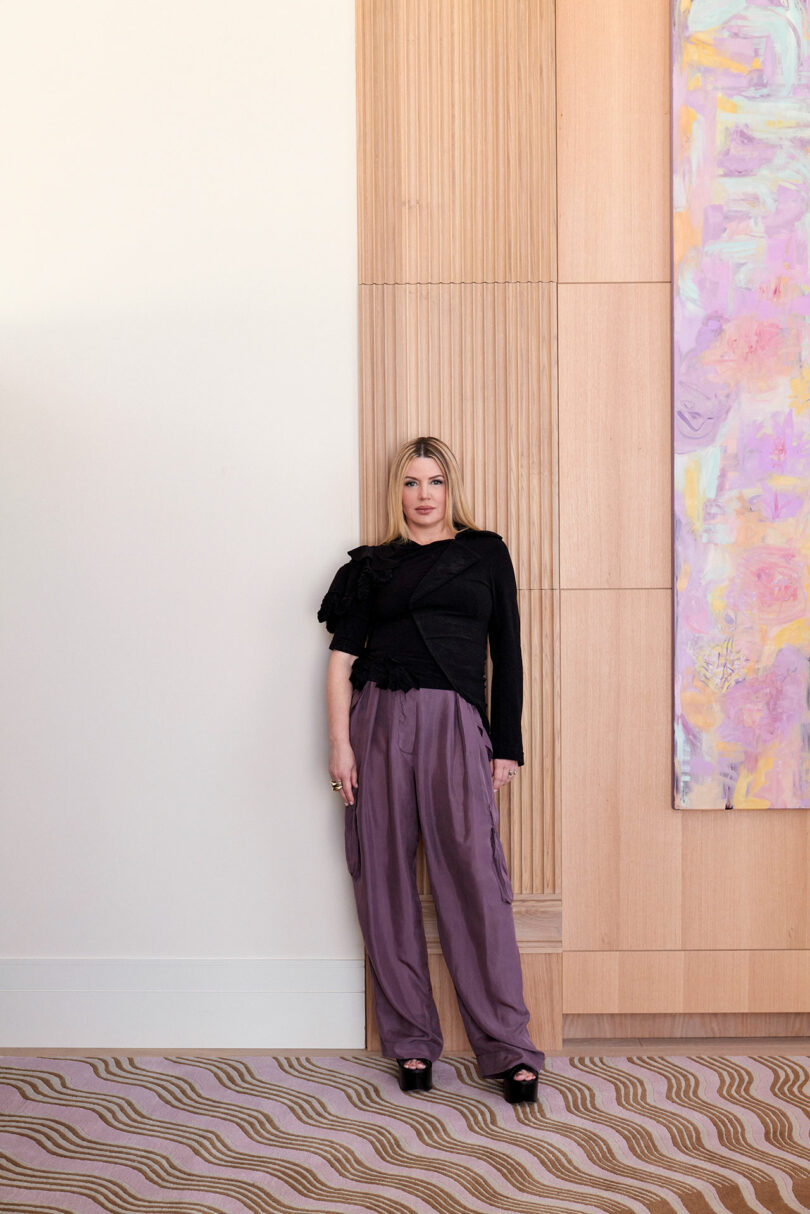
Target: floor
x,y
630,1127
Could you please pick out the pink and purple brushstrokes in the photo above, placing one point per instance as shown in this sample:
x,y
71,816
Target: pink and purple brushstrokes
x,y
741,403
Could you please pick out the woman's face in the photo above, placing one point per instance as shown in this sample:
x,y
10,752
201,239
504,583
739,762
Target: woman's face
x,y
423,496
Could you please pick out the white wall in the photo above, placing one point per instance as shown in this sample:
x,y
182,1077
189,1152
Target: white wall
x,y
178,319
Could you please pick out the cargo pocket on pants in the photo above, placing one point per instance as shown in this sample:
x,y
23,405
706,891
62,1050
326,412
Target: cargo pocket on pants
x,y
352,840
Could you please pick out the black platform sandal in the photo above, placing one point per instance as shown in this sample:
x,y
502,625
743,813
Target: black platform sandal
x,y
414,1079
516,1091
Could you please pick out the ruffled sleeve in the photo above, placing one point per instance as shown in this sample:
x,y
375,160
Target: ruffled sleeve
x,y
346,608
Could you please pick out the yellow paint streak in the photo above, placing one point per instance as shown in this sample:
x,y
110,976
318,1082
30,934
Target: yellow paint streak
x,y
691,493
800,391
701,53
717,601
797,633
685,236
686,120
700,707
683,577
725,103
748,784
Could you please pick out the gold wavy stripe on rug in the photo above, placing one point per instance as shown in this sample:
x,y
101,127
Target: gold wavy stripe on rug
x,y
785,1148
730,1128
238,1077
631,1094
682,1164
791,1082
23,1207
178,1092
632,1164
683,1090
365,1095
644,1159
341,1157
64,1141
766,1190
783,1186
784,1138
310,1110
111,1195
415,1112
548,1155
296,1176
721,1192
114,1068
431,1130
426,1124
116,1111
738,1087
669,1173
122,1115
666,1172
201,1141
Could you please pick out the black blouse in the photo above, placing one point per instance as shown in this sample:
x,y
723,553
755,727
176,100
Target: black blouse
x,y
395,655
367,609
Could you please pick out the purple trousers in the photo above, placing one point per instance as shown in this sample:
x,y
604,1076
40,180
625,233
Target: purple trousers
x,y
423,764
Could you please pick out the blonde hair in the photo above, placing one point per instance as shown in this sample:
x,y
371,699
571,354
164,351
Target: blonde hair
x,y
457,512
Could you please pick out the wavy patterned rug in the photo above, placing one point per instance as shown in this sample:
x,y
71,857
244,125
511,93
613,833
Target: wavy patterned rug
x,y
185,1134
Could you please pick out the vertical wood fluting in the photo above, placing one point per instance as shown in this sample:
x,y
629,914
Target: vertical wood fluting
x,y
456,141
505,439
457,271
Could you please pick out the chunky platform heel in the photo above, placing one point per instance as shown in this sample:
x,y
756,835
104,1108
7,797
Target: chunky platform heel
x,y
517,1091
411,1079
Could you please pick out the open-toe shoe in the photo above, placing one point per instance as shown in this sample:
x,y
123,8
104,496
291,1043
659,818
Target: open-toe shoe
x,y
415,1079
516,1091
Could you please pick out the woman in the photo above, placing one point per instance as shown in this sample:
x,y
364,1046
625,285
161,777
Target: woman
x,y
412,749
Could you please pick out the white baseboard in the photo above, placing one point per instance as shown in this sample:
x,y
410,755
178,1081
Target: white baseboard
x,y
177,1003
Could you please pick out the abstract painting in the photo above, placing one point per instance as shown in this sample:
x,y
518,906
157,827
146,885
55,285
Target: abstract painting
x,y
741,403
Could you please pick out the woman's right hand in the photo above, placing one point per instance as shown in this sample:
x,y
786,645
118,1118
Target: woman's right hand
x,y
342,766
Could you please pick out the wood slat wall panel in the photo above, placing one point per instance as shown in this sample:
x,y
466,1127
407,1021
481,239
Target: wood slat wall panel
x,y
695,981
612,62
650,1029
457,338
744,879
622,857
615,435
528,806
474,364
456,141
637,874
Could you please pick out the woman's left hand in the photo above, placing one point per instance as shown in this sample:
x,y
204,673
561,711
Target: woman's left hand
x,y
500,769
